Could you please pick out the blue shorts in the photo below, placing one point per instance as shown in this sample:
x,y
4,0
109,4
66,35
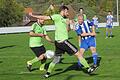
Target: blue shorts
x,y
89,42
108,26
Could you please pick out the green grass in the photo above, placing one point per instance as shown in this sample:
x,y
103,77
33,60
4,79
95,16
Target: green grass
x,y
14,53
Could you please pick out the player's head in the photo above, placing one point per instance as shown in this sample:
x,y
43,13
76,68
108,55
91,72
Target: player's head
x,y
81,10
40,21
109,12
80,19
64,11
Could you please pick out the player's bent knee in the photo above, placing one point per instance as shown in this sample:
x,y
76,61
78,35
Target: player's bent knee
x,y
41,57
56,59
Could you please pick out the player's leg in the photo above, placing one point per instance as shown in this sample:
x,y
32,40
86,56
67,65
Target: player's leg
x,y
107,32
83,47
72,50
110,32
42,58
39,52
30,62
81,60
57,57
94,55
52,65
92,44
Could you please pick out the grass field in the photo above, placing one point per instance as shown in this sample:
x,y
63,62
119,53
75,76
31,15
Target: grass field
x,y
14,53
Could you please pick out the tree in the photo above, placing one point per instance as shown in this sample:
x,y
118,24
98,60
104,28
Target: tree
x,y
10,12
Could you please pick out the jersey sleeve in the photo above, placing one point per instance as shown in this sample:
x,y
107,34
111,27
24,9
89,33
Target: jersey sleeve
x,y
54,17
33,27
78,29
44,30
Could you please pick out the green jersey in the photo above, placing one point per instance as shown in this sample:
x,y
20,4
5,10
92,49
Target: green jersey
x,y
61,32
37,41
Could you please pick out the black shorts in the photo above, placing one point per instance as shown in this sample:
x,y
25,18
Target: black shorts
x,y
38,50
65,46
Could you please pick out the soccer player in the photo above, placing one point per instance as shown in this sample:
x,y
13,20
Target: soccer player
x,y
81,12
87,39
61,39
35,43
95,21
109,24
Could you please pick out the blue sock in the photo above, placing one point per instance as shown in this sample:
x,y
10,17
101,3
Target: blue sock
x,y
95,56
106,34
80,65
110,33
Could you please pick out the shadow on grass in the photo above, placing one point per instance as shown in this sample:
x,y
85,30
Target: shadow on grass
x,y
75,67
1,61
7,46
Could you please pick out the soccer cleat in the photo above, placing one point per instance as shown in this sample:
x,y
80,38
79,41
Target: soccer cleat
x,y
47,75
106,37
93,68
89,70
29,66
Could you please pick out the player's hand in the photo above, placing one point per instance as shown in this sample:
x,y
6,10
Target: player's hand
x,y
93,34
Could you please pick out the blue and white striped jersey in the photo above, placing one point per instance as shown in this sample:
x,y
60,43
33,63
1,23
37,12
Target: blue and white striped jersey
x,y
85,27
109,19
95,20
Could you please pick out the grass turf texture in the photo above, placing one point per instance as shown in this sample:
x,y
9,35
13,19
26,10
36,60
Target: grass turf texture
x,y
14,53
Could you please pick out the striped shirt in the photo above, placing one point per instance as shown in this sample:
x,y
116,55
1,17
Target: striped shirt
x,y
95,20
85,27
109,19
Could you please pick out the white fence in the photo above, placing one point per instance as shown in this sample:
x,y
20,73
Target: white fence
x,y
5,30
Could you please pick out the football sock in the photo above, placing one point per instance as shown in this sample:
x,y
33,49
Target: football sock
x,y
33,60
110,33
95,56
43,64
51,66
84,62
106,34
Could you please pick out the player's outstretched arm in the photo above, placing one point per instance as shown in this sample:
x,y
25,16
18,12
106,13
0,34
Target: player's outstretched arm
x,y
48,39
32,34
40,17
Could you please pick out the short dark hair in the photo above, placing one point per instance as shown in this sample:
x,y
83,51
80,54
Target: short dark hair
x,y
63,8
80,9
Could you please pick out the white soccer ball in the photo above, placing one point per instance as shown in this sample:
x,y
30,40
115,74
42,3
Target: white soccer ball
x,y
49,54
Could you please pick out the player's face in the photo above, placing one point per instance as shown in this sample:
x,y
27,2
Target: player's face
x,y
81,11
109,13
41,21
66,13
80,19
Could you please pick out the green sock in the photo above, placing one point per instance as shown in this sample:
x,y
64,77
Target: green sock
x,y
51,66
33,60
84,63
42,67
43,61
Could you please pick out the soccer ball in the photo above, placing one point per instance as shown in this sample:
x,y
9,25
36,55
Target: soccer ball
x,y
49,54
